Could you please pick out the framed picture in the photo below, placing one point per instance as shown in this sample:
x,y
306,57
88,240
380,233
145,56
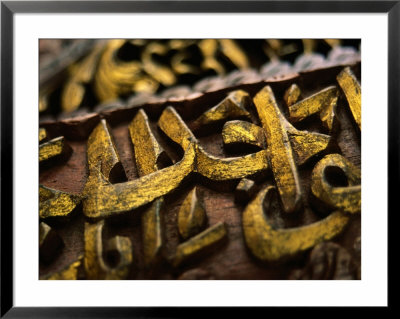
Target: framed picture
x,y
257,172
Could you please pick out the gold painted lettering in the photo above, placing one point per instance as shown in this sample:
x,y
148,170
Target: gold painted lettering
x,y
344,197
279,149
95,266
199,243
55,148
54,203
192,215
323,102
352,90
269,244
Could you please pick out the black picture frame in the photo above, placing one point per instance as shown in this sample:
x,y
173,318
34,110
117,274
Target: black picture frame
x,y
9,8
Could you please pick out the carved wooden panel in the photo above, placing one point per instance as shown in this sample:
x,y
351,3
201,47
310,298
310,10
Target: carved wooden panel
x,y
253,173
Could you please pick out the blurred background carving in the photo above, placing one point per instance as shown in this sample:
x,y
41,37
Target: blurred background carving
x,y
77,75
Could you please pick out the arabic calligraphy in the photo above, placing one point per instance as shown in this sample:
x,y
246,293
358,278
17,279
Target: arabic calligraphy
x,y
278,148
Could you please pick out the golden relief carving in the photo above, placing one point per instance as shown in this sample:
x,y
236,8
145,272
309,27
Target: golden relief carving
x,y
347,198
323,102
192,216
352,89
269,244
269,174
95,265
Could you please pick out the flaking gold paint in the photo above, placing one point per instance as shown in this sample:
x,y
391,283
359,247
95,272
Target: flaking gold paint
x,y
95,266
307,144
207,165
70,272
292,95
102,154
103,158
352,90
175,128
347,198
109,199
147,154
304,144
199,243
191,216
233,106
104,199
270,244
52,148
147,149
243,132
222,169
280,153
54,203
323,102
